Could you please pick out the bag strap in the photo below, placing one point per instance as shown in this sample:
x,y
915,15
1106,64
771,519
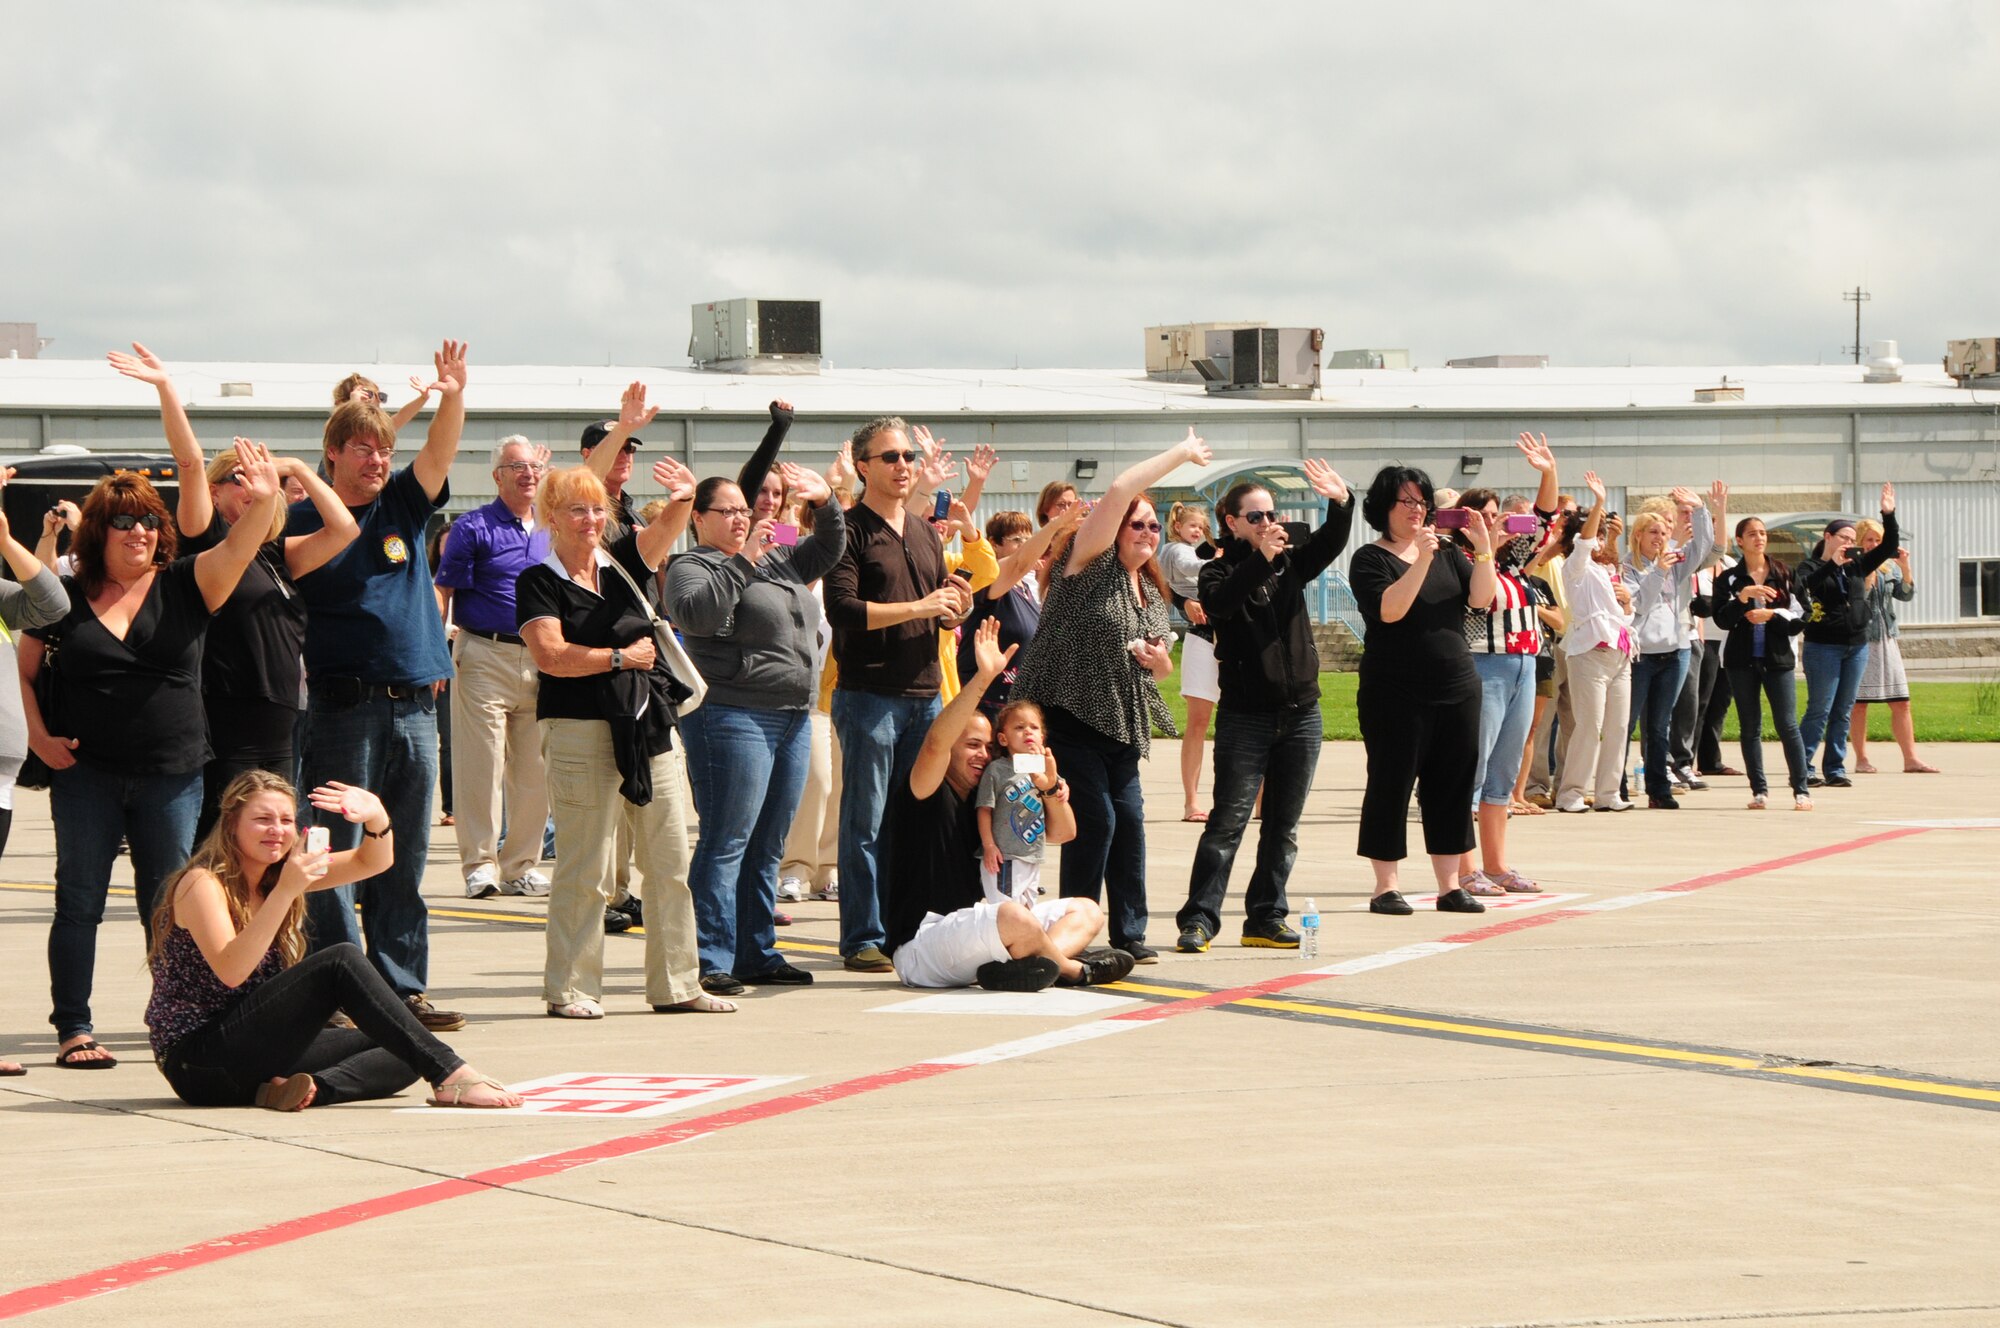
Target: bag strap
x,y
640,595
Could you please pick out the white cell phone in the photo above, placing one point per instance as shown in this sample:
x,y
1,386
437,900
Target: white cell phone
x,y
316,839
1030,763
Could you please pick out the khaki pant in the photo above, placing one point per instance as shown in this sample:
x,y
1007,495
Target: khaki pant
x,y
583,788
812,846
496,757
1600,684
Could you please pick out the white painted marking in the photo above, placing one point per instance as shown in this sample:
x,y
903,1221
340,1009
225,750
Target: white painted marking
x,y
1006,1051
1494,903
1400,955
1963,823
1053,1003
1627,901
624,1096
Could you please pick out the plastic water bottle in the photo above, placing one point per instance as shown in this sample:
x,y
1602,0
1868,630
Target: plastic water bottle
x,y
1309,931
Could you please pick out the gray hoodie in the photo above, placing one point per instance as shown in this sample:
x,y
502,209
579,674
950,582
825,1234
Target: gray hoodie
x,y
750,627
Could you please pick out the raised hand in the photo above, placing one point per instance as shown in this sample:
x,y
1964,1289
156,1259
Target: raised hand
x,y
1888,497
141,364
1535,449
981,464
1685,498
1718,494
780,408
1326,481
1595,485
987,656
347,801
1195,450
929,446
420,387
450,362
676,479
961,517
939,468
841,472
1271,539
6,473
1479,533
633,413
811,488
260,476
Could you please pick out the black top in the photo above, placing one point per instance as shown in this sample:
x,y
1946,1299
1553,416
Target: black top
x,y
134,706
1836,603
1020,613
1264,652
255,638
1424,651
933,859
882,566
1739,647
609,616
751,477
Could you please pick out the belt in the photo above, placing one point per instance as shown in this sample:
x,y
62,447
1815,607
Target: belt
x,y
505,638
353,691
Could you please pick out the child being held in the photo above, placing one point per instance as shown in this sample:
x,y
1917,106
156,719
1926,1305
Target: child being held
x,y
1012,819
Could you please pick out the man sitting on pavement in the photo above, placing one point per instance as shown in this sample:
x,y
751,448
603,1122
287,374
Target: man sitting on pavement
x,y
942,930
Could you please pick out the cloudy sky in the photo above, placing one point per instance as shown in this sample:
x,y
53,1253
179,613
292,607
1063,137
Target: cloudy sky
x,y
1034,182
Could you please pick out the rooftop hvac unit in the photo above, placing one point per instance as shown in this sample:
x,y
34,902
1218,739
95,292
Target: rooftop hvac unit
x,y
752,336
1262,361
1972,358
1173,348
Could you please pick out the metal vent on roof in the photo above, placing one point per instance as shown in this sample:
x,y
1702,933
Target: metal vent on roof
x,y
238,389
1724,391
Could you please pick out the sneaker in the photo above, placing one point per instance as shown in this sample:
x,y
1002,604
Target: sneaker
x,y
1194,939
1141,952
1269,936
1801,803
792,890
1391,903
1577,806
1615,805
780,918
829,892
616,921
1758,802
1688,779
1675,779
1030,974
1814,781
1663,804
868,959
1100,967
530,884
721,984
634,911
1458,901
432,1018
482,882
784,975
1839,781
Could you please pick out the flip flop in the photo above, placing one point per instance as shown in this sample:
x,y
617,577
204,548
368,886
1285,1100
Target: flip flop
x,y
702,1004
1195,817
8,1069
88,1044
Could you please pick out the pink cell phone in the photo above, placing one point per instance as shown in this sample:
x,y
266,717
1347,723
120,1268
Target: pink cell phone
x,y
1520,523
1453,518
316,839
784,534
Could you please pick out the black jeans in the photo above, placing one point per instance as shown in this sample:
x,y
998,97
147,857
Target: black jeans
x,y
1409,736
1109,851
1746,681
244,733
280,1029
1280,749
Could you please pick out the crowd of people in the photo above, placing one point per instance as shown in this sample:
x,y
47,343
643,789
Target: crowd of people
x,y
863,693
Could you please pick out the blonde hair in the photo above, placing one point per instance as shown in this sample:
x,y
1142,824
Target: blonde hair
x,y
1181,512
357,419
651,511
217,856
1865,527
222,469
571,485
1659,504
1642,523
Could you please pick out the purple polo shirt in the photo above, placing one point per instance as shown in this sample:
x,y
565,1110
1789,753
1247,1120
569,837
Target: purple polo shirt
x,y
485,553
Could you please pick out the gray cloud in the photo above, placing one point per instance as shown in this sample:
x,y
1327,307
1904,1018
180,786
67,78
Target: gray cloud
x,y
1599,181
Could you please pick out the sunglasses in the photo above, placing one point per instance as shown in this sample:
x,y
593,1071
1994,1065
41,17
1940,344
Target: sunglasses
x,y
127,520
909,457
1258,518
1143,527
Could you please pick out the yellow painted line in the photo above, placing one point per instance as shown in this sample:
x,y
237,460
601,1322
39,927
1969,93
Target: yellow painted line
x,y
1884,1081
1347,1015
1178,993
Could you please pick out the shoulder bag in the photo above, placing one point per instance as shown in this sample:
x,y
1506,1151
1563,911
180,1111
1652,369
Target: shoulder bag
x,y
669,646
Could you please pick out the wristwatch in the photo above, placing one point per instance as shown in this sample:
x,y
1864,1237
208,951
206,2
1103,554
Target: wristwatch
x,y
617,659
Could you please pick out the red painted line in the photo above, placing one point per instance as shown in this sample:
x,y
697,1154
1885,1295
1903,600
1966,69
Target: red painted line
x,y
118,1277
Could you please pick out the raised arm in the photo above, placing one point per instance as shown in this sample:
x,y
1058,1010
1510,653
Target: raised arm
x,y
1017,566
195,509
977,467
414,405
657,540
217,570
1536,451
1593,520
1100,529
1866,563
751,477
433,463
818,552
1324,545
40,598
309,553
935,757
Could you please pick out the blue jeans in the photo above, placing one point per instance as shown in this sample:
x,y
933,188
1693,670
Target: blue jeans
x,y
1833,677
1280,750
1656,686
391,749
1109,851
1506,713
880,737
1745,682
94,810
747,768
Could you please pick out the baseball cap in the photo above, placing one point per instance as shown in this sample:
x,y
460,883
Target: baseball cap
x,y
594,433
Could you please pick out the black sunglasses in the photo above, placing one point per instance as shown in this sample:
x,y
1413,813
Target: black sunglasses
x,y
1259,518
127,520
892,457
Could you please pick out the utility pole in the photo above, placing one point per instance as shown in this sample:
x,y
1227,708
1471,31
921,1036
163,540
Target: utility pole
x,y
1857,297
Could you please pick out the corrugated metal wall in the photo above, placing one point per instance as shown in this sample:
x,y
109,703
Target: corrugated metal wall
x,y
1944,523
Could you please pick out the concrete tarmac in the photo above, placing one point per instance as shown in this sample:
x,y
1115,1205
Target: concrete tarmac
x,y
1744,1072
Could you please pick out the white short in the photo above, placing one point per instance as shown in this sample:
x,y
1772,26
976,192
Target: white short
x,y
1023,882
1200,679
949,948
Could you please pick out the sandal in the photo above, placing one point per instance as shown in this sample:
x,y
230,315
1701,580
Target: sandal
x,y
702,1004
106,1062
8,1069
1479,883
461,1088
1195,818
583,1009
294,1093
1522,808
1516,884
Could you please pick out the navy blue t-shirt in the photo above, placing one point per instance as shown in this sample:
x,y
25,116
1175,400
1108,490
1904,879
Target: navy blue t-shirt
x,y
371,613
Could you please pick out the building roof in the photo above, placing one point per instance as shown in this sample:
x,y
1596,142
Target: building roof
x,y
89,385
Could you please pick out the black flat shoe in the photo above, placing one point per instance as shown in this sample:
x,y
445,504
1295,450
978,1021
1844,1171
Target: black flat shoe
x,y
1030,974
1391,903
1838,781
721,984
1459,901
1666,804
784,975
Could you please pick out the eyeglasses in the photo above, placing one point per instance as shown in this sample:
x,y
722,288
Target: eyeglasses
x,y
1258,518
364,449
583,513
1414,504
521,468
728,511
908,457
127,520
1143,527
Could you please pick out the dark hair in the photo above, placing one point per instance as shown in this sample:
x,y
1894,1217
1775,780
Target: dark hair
x,y
1013,708
1059,551
704,492
1231,504
124,492
1473,500
1051,491
1387,487
874,429
1006,525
